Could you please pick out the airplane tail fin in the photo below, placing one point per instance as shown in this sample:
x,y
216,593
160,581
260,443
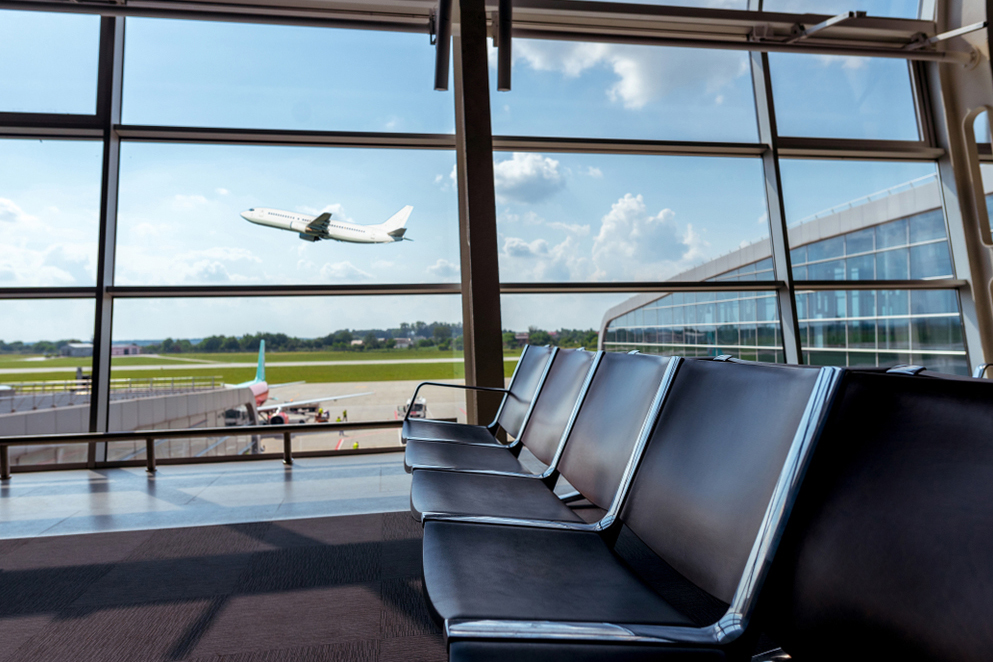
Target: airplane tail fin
x,y
260,371
397,221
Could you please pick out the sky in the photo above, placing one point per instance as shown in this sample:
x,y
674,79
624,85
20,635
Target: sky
x,y
561,217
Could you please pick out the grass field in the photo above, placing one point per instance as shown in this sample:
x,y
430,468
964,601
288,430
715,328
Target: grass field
x,y
370,372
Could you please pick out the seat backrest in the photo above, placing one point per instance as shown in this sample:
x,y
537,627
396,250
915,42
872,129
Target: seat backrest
x,y
888,552
608,423
523,388
555,402
711,466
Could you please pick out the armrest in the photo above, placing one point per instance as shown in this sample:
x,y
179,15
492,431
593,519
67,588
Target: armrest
x,y
510,521
589,632
466,387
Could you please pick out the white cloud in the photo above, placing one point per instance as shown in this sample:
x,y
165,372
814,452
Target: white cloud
x,y
443,269
11,212
574,228
343,271
595,173
635,245
849,62
527,178
643,74
188,201
221,191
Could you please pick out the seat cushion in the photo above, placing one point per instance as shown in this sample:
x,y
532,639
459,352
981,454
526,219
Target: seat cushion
x,y
479,494
454,456
415,428
484,571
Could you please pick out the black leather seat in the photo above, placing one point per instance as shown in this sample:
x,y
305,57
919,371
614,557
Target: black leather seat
x,y
597,451
888,554
511,416
698,500
541,434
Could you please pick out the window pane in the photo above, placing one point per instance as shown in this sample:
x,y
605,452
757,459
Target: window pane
x,y
919,327
826,96
49,211
181,206
885,218
280,77
602,90
191,352
583,217
888,8
743,324
48,62
45,365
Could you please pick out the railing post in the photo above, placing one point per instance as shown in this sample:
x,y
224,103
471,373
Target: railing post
x,y
150,455
287,448
4,463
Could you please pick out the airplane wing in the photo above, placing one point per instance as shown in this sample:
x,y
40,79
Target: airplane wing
x,y
297,403
320,224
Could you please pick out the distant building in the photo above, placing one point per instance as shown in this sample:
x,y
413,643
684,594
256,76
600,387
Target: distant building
x,y
357,343
125,350
77,349
521,338
403,343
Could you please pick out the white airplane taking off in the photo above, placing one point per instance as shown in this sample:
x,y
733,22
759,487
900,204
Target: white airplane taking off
x,y
312,228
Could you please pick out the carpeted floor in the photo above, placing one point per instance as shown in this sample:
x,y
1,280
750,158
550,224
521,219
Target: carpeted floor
x,y
337,588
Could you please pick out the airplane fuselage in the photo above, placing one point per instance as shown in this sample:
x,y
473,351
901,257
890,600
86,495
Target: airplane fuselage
x,y
302,224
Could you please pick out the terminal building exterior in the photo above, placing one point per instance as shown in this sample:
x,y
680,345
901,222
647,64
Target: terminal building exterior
x,y
896,235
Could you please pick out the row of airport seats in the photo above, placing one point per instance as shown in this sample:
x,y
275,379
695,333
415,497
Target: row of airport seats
x,y
722,510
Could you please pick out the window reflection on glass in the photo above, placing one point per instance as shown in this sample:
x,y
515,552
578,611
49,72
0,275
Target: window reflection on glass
x,y
887,230
280,77
46,356
49,212
180,219
48,62
603,90
357,358
742,324
826,96
883,328
583,217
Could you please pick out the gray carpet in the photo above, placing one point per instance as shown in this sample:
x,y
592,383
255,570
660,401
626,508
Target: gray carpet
x,y
328,589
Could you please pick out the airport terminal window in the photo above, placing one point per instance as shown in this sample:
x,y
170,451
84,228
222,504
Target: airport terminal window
x,y
278,77
180,219
742,324
883,328
46,355
625,91
594,217
49,211
48,62
197,358
824,96
887,8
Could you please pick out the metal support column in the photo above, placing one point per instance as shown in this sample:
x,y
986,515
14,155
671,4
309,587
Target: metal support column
x,y
109,112
778,235
477,211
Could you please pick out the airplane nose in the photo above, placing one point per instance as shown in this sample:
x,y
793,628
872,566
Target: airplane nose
x,y
244,215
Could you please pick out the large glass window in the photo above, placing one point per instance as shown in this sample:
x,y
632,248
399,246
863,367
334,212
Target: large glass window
x,y
49,212
623,91
742,324
46,355
195,364
572,217
887,8
279,77
883,328
182,215
48,62
825,96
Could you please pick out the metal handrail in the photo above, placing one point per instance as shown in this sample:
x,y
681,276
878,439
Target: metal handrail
x,y
149,436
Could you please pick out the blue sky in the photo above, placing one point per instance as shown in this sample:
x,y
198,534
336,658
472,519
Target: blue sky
x,y
560,216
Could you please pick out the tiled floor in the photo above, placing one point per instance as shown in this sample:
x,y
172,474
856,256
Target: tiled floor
x,y
67,502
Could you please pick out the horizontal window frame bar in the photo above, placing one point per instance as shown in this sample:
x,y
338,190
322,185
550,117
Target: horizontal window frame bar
x,y
623,146
221,136
623,287
232,291
870,350
801,286
844,148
